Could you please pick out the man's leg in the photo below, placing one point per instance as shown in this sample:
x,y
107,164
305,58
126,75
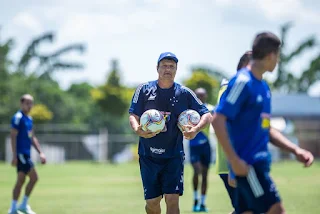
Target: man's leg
x,y
153,205
204,184
33,178
196,165
172,202
197,169
230,189
16,191
205,159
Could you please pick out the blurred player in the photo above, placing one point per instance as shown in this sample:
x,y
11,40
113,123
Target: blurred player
x,y
161,155
200,156
242,126
221,161
22,137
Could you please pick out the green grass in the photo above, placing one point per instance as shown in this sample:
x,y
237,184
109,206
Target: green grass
x,y
83,187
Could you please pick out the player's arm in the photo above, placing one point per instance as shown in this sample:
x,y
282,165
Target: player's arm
x,y
229,107
279,140
136,127
36,145
13,136
135,111
206,117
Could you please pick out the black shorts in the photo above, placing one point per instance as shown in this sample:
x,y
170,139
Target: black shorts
x,y
25,163
161,176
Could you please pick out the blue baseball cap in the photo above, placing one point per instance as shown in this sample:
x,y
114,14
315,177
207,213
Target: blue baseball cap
x,y
168,55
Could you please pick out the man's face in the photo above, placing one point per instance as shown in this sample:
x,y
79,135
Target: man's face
x,y
167,69
273,60
202,96
27,105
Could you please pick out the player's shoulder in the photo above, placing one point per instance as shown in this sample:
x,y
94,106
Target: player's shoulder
x,y
243,78
17,117
183,88
224,82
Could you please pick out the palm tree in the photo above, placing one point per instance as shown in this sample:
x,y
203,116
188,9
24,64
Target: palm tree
x,y
48,63
285,81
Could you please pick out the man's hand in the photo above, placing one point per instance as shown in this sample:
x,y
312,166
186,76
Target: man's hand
x,y
145,134
190,132
304,156
239,167
43,158
14,161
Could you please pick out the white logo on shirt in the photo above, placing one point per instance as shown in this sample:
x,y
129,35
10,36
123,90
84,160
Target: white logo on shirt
x,y
157,151
259,99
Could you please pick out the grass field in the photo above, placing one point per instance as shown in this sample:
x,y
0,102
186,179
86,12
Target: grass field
x,y
87,188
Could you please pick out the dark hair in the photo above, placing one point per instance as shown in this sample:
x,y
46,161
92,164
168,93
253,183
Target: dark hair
x,y
244,60
264,44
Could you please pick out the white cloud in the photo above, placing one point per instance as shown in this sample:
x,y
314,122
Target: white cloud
x,y
294,10
27,20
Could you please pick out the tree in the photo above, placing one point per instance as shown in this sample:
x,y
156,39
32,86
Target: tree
x,y
111,97
40,113
201,78
48,63
285,81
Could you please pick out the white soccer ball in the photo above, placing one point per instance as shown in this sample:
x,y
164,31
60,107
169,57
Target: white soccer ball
x,y
152,120
188,117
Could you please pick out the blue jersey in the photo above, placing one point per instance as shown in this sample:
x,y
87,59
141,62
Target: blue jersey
x,y
23,123
203,136
170,102
247,105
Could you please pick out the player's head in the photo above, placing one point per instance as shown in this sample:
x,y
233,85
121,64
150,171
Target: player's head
x,y
167,66
244,60
26,103
201,94
266,47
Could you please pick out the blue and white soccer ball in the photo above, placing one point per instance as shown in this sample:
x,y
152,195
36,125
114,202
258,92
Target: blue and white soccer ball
x,y
188,117
152,120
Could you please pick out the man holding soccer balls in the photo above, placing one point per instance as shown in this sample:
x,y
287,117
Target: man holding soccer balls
x,y
162,112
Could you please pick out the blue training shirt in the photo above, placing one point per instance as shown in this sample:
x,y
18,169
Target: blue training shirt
x,y
23,123
170,102
247,105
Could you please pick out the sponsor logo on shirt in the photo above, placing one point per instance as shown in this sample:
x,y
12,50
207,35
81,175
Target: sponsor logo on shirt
x,y
159,151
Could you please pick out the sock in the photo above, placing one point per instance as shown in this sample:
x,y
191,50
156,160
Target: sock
x,y
25,201
203,199
13,205
195,195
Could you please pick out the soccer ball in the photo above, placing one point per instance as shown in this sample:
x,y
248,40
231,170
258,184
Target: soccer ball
x,y
152,120
188,117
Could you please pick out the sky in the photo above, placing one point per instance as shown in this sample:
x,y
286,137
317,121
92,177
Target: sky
x,y
208,32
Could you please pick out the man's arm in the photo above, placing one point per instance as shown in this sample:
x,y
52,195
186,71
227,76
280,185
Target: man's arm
x,y
136,127
279,140
36,144
205,120
219,124
13,136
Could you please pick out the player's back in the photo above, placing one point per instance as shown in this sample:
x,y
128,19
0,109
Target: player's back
x,y
23,123
246,103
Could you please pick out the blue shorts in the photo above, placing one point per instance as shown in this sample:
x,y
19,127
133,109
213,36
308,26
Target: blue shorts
x,y
161,176
256,191
230,189
201,153
25,163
